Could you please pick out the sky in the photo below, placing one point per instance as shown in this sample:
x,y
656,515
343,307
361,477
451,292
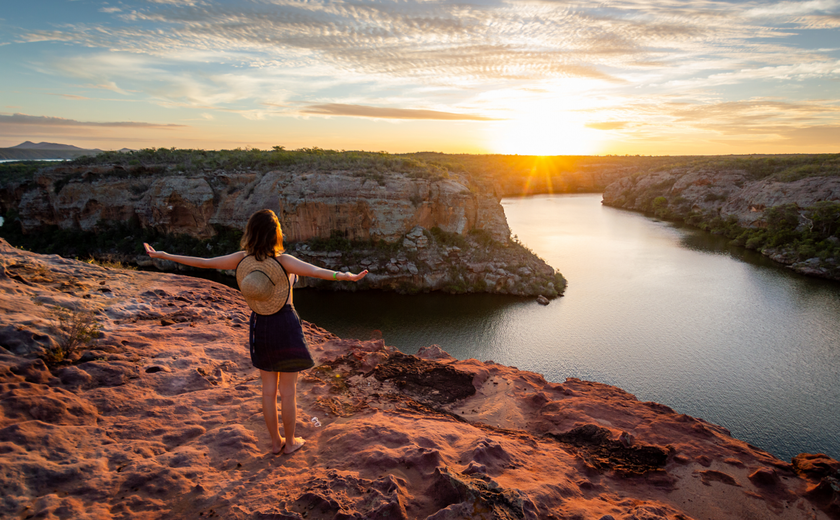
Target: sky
x,y
541,77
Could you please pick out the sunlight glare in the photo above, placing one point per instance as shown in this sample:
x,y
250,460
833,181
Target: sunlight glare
x,y
543,134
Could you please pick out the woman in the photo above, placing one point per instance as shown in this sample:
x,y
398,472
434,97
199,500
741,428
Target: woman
x,y
278,347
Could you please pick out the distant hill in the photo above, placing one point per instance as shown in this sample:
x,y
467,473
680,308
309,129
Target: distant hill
x,y
40,151
29,145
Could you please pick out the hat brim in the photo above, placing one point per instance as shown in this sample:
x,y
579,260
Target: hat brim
x,y
279,278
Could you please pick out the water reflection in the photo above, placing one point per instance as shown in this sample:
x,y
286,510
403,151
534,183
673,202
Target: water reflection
x,y
409,322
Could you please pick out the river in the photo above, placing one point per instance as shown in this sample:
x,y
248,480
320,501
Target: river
x,y
670,314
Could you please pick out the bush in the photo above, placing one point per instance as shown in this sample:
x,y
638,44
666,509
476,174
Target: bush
x,y
756,242
73,327
659,206
825,217
448,239
483,238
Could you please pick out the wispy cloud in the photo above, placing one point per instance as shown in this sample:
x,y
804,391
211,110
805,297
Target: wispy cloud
x,y
337,109
69,96
608,125
435,41
24,119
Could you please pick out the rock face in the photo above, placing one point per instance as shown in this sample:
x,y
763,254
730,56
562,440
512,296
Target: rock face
x,y
725,192
161,418
470,264
309,205
392,216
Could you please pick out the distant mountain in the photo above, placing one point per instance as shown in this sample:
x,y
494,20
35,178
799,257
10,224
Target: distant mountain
x,y
29,145
28,151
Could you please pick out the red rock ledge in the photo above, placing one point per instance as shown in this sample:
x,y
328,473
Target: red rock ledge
x,y
162,419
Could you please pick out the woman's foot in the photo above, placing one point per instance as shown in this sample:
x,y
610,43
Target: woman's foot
x,y
276,447
296,444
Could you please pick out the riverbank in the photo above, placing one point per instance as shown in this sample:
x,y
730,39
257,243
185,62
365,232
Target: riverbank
x,y
786,207
161,417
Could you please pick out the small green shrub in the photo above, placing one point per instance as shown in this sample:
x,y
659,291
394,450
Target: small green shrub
x,y
448,239
483,238
755,242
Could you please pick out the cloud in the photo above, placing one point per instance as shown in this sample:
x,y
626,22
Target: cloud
x,y
785,72
787,9
608,125
69,96
752,115
438,41
24,119
468,44
337,109
824,135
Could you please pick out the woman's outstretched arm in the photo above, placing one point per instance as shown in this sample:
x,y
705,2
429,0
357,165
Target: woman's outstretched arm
x,y
220,262
301,268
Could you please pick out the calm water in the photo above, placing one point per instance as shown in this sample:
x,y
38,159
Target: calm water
x,y
36,160
671,315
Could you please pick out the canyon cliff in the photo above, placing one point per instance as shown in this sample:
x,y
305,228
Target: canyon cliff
x,y
416,230
309,204
160,417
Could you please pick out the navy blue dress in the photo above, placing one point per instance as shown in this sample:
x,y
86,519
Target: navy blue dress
x,y
277,342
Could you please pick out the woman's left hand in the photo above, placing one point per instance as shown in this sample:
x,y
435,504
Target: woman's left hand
x,y
353,277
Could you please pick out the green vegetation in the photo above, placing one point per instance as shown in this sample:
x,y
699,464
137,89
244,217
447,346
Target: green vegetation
x,y
31,154
115,240
447,238
802,233
782,168
21,170
785,168
366,164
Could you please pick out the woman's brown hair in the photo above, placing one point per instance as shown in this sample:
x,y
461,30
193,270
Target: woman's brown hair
x,y
263,236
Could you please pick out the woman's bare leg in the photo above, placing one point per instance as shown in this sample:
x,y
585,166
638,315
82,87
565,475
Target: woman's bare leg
x,y
288,396
269,402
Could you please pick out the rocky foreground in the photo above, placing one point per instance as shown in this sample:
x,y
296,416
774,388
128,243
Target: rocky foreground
x,y
161,418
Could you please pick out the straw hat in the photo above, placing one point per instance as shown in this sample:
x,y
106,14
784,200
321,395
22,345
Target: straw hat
x,y
265,284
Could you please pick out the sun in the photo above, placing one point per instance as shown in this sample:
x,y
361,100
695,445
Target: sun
x,y
542,134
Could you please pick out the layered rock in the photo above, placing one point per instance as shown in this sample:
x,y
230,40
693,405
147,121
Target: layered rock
x,y
309,205
389,219
471,264
161,418
727,193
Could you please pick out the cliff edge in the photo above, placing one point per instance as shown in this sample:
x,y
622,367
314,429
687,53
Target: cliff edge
x,y
160,418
